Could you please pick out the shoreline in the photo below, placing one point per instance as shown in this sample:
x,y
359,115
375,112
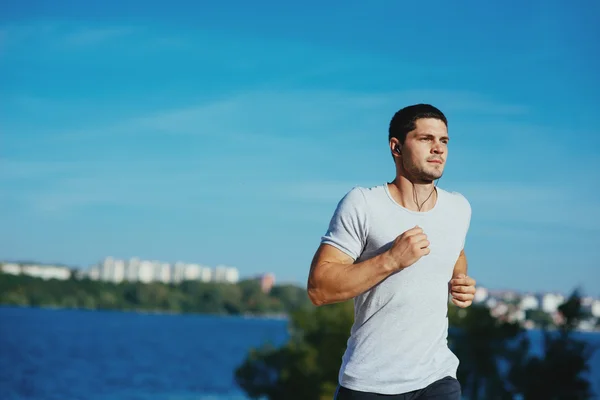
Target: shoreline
x,y
265,316
141,311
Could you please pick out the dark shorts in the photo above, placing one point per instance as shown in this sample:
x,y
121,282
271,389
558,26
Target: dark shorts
x,y
446,388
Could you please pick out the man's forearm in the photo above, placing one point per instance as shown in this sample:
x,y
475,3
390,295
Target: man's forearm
x,y
337,282
461,265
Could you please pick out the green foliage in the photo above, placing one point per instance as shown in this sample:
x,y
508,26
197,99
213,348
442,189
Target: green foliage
x,y
495,358
245,297
539,318
480,341
557,374
307,366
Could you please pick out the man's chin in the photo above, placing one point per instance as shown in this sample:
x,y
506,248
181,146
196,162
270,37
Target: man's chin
x,y
436,173
432,176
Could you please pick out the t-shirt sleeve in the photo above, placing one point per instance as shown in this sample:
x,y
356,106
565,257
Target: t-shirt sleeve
x,y
467,217
347,228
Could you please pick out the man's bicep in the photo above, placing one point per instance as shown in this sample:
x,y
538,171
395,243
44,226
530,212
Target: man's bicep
x,y
328,254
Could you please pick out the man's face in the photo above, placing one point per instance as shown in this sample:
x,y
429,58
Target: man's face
x,y
425,149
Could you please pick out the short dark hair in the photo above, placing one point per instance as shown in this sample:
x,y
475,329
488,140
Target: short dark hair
x,y
404,120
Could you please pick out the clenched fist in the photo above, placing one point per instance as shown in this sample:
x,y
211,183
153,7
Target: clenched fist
x,y
462,289
408,248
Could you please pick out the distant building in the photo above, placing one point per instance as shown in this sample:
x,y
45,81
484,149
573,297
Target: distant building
x,y
267,282
192,272
481,294
499,310
114,270
206,274
145,273
11,268
178,272
164,272
595,308
491,302
42,271
509,296
551,301
529,302
132,270
94,273
226,274
517,315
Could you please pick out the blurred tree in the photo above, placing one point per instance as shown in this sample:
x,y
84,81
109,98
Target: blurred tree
x,y
292,297
190,296
482,344
494,355
539,317
307,366
558,372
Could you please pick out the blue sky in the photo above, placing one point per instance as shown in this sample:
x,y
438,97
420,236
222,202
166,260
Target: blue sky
x,y
226,134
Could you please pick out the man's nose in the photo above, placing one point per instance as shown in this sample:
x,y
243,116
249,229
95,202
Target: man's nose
x,y
438,148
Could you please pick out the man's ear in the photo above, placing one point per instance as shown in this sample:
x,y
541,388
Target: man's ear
x,y
398,149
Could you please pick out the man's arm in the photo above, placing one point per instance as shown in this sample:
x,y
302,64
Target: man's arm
x,y
460,268
334,277
462,287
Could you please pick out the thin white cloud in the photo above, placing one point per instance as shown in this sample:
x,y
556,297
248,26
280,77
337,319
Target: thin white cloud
x,y
92,36
59,34
519,205
555,207
460,101
19,170
270,123
317,192
277,114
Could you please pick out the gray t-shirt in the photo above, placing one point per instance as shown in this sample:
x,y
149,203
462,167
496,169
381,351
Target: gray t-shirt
x,y
398,342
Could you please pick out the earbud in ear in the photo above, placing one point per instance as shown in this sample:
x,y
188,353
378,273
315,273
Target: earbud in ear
x,y
397,148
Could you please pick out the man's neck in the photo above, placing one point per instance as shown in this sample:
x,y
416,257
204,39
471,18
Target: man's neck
x,y
418,196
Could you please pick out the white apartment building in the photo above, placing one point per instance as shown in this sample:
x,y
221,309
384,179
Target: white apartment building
x,y
132,269
551,301
595,308
112,270
145,272
481,294
163,273
11,268
226,274
37,270
529,302
137,270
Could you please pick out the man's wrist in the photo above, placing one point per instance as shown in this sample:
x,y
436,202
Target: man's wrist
x,y
388,263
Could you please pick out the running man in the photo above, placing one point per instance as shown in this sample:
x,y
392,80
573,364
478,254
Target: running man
x,y
397,249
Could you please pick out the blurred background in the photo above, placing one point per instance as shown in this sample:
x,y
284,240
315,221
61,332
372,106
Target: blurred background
x,y
167,170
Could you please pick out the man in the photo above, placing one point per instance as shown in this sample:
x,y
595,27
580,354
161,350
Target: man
x,y
398,250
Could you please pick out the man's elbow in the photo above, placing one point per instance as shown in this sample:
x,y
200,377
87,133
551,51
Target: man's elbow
x,y
316,296
315,293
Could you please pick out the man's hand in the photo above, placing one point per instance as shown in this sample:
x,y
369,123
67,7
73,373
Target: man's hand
x,y
462,289
408,248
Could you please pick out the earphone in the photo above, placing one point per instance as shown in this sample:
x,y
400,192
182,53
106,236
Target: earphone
x,y
397,148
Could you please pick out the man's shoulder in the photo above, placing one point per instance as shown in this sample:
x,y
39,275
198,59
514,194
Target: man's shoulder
x,y
457,199
360,198
366,195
